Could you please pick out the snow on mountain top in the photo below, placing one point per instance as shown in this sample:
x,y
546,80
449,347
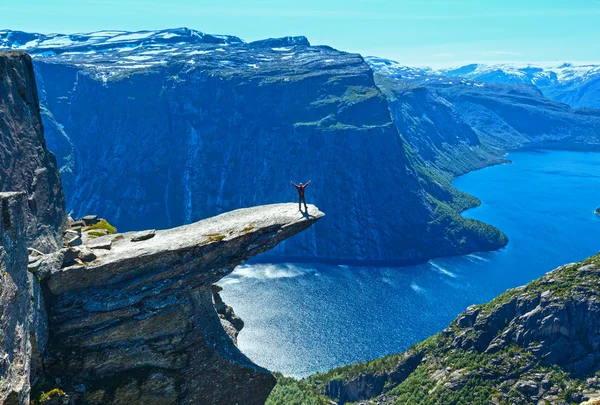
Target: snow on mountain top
x,y
530,73
134,36
117,54
526,72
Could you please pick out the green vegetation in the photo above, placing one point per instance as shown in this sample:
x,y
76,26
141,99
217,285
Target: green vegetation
x,y
247,229
102,224
215,237
45,396
351,95
290,391
95,234
562,282
465,235
445,373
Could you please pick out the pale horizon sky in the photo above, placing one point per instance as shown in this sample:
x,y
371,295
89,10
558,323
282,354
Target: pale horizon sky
x,y
428,32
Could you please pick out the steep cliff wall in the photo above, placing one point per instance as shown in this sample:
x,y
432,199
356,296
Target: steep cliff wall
x,y
32,215
15,349
25,162
510,116
158,129
435,129
167,147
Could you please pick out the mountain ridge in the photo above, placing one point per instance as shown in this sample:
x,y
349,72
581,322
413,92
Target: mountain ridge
x,y
575,84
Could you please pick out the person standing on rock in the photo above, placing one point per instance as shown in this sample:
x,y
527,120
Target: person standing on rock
x,y
300,187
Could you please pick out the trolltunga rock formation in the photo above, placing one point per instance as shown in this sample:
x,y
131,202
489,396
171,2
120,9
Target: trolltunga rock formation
x,y
123,319
133,317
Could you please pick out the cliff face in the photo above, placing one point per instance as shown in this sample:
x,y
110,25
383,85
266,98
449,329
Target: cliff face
x,y
158,129
435,129
534,344
514,115
32,215
15,349
182,144
25,162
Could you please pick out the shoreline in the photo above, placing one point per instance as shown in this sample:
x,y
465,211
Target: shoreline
x,y
549,146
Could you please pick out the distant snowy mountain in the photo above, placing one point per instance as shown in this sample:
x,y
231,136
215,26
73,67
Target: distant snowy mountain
x,y
101,41
397,70
526,73
575,84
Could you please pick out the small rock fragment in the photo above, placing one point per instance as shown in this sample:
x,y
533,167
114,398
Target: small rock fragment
x,y
143,235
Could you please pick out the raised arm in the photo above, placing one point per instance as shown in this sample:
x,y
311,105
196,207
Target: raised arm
x,y
293,184
307,183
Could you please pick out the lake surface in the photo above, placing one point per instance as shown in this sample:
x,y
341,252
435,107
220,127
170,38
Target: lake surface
x,y
302,318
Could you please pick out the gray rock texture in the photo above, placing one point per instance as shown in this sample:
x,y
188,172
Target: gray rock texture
x,y
23,321
25,162
15,349
142,322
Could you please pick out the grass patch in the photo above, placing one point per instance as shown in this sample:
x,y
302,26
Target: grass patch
x,y
102,224
45,396
352,95
247,229
215,237
95,234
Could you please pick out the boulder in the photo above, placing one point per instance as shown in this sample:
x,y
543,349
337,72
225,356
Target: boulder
x,y
90,219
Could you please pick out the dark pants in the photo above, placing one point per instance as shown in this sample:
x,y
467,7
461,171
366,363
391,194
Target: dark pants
x,y
300,201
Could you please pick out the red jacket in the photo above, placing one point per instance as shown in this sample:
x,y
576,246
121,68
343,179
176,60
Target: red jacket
x,y
301,189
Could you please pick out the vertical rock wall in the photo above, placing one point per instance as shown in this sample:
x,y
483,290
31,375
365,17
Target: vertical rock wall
x,y
15,302
25,162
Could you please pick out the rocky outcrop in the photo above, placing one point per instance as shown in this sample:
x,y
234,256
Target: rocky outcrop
x,y
25,162
138,320
535,344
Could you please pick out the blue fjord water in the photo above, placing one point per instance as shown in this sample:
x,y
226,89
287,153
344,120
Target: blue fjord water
x,y
302,318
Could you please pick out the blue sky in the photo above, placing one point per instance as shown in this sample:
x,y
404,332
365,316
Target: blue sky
x,y
415,32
